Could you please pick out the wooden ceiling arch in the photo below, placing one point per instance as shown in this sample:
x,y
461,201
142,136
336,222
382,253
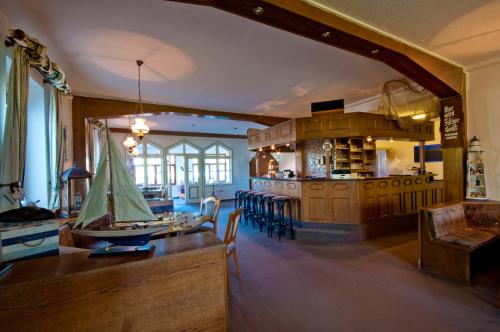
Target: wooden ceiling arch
x,y
441,78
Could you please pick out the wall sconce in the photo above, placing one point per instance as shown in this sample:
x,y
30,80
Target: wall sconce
x,y
327,145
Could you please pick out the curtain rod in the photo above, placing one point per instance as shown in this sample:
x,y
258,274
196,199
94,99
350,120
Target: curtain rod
x,y
39,59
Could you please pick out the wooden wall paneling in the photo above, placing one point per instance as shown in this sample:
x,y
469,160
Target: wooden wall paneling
x,y
314,202
342,202
420,193
369,201
383,198
396,196
408,196
454,165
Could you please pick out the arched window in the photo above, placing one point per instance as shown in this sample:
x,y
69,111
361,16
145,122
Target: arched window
x,y
146,166
218,164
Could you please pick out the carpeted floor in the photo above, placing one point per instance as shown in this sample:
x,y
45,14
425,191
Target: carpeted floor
x,y
371,286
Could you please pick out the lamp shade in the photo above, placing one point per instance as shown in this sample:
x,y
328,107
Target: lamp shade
x,y
140,128
129,143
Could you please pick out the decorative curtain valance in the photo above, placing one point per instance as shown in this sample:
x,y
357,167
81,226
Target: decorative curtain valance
x,y
37,55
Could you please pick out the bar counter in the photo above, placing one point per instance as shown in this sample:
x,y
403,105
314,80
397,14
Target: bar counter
x,y
354,201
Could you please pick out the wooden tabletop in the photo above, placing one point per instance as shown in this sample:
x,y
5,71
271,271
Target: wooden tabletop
x,y
74,260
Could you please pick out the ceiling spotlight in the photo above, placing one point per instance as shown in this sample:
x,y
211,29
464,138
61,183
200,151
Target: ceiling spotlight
x,y
369,139
374,51
420,116
258,11
326,34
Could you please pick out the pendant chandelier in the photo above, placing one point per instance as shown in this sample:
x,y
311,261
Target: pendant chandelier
x,y
139,128
130,143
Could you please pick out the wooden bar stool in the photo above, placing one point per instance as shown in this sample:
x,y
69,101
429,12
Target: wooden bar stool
x,y
281,223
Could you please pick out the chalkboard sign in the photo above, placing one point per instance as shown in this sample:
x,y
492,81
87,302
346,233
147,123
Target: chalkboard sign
x,y
452,122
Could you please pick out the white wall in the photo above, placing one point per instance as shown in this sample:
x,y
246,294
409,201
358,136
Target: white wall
x,y
240,158
483,120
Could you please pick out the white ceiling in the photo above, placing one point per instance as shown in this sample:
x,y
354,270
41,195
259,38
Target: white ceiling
x,y
190,124
194,56
465,31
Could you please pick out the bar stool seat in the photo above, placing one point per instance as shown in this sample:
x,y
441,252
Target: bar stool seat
x,y
281,223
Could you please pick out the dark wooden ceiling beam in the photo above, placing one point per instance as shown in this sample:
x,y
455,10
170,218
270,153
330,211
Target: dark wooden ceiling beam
x,y
181,133
301,18
111,108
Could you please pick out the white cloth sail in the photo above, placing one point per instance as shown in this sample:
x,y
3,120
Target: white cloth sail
x,y
130,204
96,203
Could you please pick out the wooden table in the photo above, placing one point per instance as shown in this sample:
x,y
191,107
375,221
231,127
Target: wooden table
x,y
180,286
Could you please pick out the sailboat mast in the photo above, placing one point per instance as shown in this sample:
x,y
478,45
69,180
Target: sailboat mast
x,y
112,198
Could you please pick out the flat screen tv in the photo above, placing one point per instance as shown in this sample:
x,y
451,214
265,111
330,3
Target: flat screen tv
x,y
433,153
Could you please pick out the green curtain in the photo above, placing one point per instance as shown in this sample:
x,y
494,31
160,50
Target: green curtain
x,y
56,161
13,150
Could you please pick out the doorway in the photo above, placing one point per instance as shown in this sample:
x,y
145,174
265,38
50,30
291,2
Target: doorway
x,y
184,178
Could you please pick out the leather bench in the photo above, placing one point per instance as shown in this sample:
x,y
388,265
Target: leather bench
x,y
450,233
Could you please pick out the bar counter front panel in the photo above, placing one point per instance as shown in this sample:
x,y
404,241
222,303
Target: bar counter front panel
x,y
354,201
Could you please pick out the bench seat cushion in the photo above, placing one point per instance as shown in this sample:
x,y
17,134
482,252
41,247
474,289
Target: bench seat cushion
x,y
470,238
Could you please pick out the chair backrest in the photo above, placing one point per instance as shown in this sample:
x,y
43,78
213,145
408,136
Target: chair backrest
x,y
445,220
210,207
232,226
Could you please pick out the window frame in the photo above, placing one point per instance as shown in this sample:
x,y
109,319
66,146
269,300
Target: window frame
x,y
217,164
144,156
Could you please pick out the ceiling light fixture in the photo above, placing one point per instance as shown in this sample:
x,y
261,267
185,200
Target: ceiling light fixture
x,y
326,34
374,51
129,143
258,11
420,116
369,139
140,128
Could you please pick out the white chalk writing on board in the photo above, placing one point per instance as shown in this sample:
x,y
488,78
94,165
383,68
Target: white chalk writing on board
x,y
451,123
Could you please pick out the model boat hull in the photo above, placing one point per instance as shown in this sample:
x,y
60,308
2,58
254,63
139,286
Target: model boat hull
x,y
127,237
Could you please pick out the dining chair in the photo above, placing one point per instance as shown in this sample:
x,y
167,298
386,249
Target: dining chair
x,y
230,239
209,211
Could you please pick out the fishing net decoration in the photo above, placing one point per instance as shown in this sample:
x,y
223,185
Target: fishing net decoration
x,y
407,103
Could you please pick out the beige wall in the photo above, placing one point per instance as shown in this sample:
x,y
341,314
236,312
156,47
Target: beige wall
x,y
403,154
483,120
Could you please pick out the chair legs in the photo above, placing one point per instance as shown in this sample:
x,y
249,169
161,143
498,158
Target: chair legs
x,y
237,267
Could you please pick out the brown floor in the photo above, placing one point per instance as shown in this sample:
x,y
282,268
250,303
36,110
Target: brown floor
x,y
371,286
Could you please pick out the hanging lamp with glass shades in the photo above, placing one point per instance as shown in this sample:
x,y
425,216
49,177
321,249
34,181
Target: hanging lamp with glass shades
x,y
130,143
140,128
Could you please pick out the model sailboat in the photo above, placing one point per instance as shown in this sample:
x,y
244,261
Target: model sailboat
x,y
126,207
